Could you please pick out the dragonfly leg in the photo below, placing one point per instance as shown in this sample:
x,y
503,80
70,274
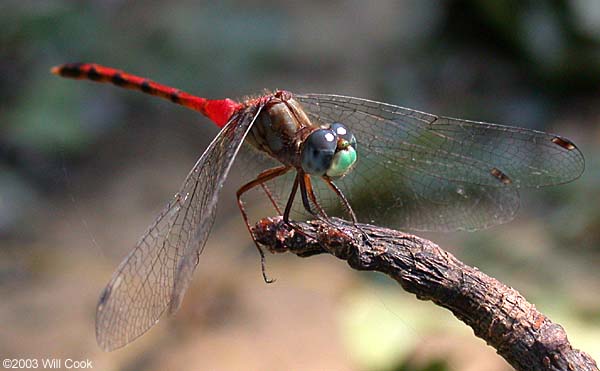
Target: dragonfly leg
x,y
304,186
263,177
290,202
342,197
307,192
347,206
270,196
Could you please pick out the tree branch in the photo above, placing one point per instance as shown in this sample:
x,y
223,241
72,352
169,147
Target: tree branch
x,y
501,316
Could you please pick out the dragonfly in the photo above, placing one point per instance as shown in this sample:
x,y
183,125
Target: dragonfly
x,y
323,155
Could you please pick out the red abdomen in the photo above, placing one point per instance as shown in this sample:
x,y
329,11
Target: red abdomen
x,y
218,110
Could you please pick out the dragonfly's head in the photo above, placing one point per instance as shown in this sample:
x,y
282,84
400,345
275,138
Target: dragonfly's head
x,y
330,152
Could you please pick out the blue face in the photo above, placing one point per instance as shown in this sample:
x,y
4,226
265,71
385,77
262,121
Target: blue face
x,y
330,152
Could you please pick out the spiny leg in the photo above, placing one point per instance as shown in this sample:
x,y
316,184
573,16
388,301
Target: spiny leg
x,y
311,195
270,196
342,197
307,192
290,202
263,177
347,206
304,194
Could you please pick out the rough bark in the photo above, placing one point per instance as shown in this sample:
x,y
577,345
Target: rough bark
x,y
501,316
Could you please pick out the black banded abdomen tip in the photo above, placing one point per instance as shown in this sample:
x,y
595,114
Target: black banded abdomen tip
x,y
68,70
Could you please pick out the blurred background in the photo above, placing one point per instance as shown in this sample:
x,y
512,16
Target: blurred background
x,y
85,168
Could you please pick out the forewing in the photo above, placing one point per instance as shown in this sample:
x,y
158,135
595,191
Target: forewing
x,y
155,275
428,172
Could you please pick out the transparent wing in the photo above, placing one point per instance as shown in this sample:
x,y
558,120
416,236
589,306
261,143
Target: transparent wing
x,y
155,275
428,172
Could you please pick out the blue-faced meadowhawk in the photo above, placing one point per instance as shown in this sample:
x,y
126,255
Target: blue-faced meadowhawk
x,y
382,163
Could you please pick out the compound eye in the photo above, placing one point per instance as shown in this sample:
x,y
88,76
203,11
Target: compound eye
x,y
343,132
318,151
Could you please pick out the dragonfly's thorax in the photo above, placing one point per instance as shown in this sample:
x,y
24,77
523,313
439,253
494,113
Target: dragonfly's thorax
x,y
280,129
284,131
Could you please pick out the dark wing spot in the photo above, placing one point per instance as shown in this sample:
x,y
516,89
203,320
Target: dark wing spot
x,y
565,143
118,80
500,176
93,74
104,296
